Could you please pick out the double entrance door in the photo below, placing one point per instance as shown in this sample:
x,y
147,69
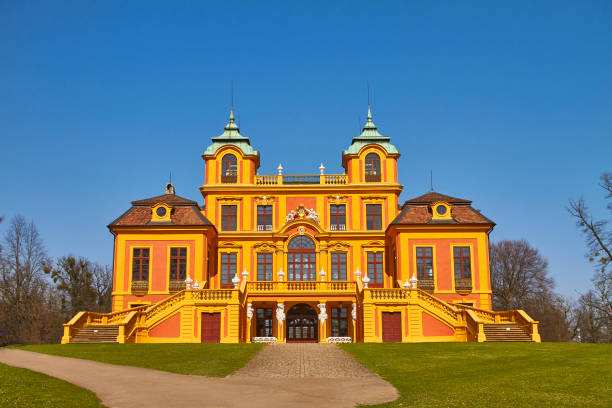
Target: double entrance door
x,y
302,324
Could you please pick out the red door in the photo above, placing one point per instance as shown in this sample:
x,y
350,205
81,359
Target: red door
x,y
211,327
392,327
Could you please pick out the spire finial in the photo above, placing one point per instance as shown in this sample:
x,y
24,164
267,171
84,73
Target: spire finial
x,y
231,119
431,179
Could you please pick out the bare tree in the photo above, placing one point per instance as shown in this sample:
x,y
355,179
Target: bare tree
x,y
598,238
520,280
103,287
518,274
22,287
596,305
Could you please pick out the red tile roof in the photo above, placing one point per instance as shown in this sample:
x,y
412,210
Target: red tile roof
x,y
184,213
170,199
432,197
418,211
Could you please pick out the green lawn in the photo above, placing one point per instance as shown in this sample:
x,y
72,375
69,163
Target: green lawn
x,y
21,388
493,374
210,360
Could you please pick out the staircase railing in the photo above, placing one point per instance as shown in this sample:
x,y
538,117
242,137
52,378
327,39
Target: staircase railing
x,y
446,308
523,319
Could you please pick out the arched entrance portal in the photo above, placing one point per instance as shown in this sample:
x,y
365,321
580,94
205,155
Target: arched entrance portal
x,y
302,324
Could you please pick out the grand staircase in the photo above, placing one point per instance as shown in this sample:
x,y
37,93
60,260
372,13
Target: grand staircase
x,y
505,332
96,334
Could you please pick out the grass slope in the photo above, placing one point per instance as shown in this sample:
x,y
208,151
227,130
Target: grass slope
x,y
210,360
493,374
21,388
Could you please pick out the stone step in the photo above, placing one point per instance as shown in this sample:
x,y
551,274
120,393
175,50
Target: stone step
x,y
96,334
505,332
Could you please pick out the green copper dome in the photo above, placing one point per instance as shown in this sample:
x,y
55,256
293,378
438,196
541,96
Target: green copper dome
x,y
231,136
370,135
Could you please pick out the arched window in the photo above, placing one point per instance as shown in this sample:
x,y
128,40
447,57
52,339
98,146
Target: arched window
x,y
372,167
301,259
229,169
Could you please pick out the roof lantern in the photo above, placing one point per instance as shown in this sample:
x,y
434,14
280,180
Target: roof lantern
x,y
231,136
370,135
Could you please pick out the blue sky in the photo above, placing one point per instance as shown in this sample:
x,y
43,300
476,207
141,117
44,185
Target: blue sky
x,y
509,103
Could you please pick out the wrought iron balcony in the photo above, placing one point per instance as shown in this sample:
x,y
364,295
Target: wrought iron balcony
x,y
463,285
176,285
426,285
140,288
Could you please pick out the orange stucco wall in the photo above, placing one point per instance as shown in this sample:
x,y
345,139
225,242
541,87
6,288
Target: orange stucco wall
x,y
170,327
434,327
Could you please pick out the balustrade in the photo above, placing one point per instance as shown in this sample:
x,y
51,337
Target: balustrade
x,y
329,179
389,294
301,286
336,179
266,180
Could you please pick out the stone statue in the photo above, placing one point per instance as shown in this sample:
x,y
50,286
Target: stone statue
x,y
280,312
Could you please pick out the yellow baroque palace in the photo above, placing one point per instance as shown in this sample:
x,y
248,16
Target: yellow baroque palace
x,y
301,258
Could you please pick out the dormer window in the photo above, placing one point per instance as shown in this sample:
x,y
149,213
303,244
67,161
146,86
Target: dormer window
x,y
372,168
161,212
229,169
441,210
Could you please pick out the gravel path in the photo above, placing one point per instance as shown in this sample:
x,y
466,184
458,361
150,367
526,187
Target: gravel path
x,y
304,360
301,378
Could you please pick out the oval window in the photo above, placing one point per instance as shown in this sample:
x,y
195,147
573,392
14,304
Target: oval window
x,y
161,211
441,210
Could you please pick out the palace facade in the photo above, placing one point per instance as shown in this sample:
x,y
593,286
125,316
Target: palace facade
x,y
301,258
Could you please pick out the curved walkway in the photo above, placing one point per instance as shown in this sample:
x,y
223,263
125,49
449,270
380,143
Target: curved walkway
x,y
299,375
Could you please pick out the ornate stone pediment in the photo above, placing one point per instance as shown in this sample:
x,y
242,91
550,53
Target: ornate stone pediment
x,y
264,247
229,244
376,244
372,197
337,198
229,198
264,199
338,245
302,213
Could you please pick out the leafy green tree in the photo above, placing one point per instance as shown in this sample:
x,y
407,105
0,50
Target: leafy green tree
x,y
75,283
